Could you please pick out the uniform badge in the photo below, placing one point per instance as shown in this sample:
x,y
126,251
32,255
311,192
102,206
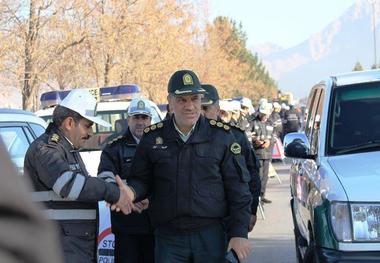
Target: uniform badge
x,y
219,124
235,148
226,127
55,137
213,122
159,140
153,127
187,79
147,129
160,125
140,105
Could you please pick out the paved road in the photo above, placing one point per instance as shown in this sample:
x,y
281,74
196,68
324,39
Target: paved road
x,y
272,239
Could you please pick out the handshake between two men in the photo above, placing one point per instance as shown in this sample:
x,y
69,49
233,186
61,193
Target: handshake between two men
x,y
125,203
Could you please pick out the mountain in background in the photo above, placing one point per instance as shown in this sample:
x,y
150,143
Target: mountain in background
x,y
334,50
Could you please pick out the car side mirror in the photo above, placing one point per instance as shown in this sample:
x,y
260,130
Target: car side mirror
x,y
296,145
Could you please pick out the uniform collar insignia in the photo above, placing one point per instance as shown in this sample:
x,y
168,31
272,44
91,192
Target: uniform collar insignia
x,y
159,140
54,137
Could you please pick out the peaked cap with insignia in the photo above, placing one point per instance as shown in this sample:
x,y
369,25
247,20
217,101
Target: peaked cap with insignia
x,y
184,82
139,106
211,96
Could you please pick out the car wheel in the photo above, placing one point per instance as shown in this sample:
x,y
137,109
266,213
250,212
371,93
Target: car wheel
x,y
299,241
310,253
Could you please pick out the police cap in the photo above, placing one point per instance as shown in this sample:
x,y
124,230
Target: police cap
x,y
184,82
211,96
139,106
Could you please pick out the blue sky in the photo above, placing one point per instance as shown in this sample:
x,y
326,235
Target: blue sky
x,y
284,23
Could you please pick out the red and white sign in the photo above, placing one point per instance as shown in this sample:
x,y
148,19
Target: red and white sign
x,y
106,240
278,150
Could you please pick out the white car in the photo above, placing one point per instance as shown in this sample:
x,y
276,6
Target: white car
x,y
18,129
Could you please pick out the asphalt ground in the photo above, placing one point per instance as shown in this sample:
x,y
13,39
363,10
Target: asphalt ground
x,y
272,239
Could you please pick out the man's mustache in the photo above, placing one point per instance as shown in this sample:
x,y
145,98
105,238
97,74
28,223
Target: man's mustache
x,y
86,137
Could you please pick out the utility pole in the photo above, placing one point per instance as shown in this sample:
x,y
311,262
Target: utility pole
x,y
373,2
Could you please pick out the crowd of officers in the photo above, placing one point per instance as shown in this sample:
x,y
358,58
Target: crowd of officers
x,y
182,190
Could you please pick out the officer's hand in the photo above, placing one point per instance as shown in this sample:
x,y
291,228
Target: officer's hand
x,y
141,206
266,144
252,222
137,207
259,143
241,247
145,203
125,202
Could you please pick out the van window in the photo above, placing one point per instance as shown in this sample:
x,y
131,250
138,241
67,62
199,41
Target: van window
x,y
355,119
110,117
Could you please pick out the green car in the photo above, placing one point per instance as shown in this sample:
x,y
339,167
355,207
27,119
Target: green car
x,y
335,171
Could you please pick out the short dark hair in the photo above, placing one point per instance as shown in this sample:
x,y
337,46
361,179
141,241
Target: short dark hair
x,y
60,113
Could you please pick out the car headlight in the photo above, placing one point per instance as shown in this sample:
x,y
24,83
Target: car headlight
x,y
341,221
366,221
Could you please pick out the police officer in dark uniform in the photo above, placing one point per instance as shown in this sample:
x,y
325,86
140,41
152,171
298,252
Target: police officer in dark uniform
x,y
263,140
210,109
276,120
292,121
134,240
196,174
61,181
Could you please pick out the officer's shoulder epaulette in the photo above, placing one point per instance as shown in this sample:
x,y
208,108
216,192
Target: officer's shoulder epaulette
x,y
236,127
219,124
54,138
154,127
115,139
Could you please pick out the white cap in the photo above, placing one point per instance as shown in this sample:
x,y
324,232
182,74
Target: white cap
x,y
276,105
82,102
246,102
263,100
235,106
139,106
265,108
224,105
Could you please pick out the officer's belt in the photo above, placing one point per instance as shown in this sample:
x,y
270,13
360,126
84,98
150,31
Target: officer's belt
x,y
44,196
70,214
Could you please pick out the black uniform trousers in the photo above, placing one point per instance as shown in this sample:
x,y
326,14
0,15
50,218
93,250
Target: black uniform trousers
x,y
130,248
207,244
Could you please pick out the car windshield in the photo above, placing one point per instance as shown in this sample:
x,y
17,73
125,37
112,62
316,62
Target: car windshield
x,y
355,119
